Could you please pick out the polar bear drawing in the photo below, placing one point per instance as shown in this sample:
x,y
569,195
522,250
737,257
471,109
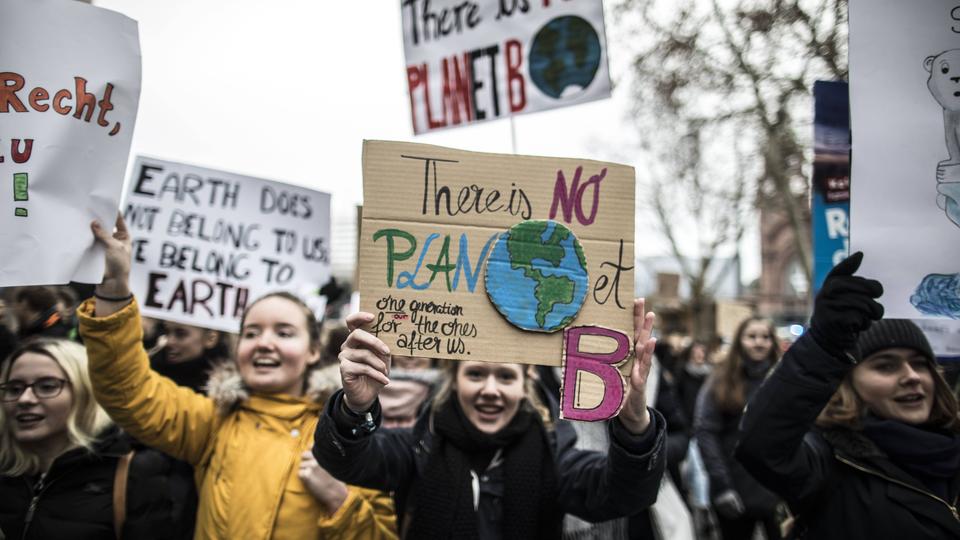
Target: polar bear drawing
x,y
944,84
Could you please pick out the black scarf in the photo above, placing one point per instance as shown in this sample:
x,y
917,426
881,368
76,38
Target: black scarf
x,y
444,497
928,454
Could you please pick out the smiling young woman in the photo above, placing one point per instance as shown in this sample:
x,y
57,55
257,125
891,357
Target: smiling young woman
x,y
249,441
739,500
59,454
856,429
486,460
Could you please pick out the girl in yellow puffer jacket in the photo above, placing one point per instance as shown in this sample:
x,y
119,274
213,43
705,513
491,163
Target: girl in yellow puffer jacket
x,y
255,475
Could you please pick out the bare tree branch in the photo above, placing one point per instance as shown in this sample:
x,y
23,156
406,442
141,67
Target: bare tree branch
x,y
747,64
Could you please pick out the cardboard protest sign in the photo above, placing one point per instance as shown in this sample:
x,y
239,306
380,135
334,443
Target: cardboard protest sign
x,y
69,90
474,61
905,113
207,243
503,258
830,198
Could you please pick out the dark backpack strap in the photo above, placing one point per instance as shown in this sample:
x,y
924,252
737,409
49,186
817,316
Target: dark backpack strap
x,y
120,493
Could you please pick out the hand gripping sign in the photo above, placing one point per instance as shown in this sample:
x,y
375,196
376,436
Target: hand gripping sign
x,y
551,238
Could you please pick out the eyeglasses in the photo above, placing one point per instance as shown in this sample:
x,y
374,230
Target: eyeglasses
x,y
43,388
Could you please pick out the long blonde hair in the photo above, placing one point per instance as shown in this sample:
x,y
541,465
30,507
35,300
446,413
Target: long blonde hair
x,y
85,421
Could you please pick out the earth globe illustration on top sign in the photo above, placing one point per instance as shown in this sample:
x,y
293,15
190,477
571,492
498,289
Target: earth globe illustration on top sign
x,y
564,56
536,276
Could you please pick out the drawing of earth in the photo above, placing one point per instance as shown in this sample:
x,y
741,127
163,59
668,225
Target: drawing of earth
x,y
939,295
565,56
536,276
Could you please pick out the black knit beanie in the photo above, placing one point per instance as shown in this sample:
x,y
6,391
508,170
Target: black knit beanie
x,y
890,333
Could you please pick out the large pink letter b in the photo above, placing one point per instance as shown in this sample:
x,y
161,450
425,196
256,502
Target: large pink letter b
x,y
578,400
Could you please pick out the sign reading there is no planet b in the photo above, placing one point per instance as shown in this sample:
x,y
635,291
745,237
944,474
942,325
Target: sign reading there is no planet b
x,y
502,258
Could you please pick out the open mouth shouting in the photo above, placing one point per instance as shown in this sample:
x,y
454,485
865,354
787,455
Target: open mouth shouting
x,y
913,399
489,412
266,364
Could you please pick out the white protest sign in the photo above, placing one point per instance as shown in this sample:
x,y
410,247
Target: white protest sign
x,y
905,113
481,60
69,90
208,243
944,337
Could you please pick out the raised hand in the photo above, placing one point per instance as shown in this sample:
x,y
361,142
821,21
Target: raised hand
x,y
117,244
364,364
113,293
844,307
634,415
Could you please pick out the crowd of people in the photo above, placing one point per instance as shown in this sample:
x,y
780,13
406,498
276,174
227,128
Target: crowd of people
x,y
116,426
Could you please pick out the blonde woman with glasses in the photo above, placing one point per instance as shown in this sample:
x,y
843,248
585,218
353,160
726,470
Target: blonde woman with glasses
x,y
65,470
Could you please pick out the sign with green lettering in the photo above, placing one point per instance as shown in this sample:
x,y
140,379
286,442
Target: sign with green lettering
x,y
474,256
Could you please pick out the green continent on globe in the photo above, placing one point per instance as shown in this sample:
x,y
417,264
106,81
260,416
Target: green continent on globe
x,y
551,290
524,245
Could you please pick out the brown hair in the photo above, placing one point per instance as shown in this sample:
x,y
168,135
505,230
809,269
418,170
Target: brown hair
x,y
728,380
38,298
313,327
845,408
448,388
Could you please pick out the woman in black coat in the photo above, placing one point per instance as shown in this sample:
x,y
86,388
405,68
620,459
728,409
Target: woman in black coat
x,y
856,429
486,461
739,500
60,455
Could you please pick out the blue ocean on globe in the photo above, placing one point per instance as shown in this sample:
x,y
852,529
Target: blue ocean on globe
x,y
514,293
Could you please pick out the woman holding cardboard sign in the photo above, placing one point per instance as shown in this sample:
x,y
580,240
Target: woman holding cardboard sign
x,y
254,472
486,460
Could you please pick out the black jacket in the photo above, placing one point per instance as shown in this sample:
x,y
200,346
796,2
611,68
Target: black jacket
x,y
717,435
592,486
687,388
838,483
75,499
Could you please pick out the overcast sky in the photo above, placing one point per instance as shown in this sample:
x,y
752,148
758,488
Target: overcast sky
x,y
288,91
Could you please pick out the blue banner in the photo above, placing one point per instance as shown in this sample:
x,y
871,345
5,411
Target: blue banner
x,y
830,200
